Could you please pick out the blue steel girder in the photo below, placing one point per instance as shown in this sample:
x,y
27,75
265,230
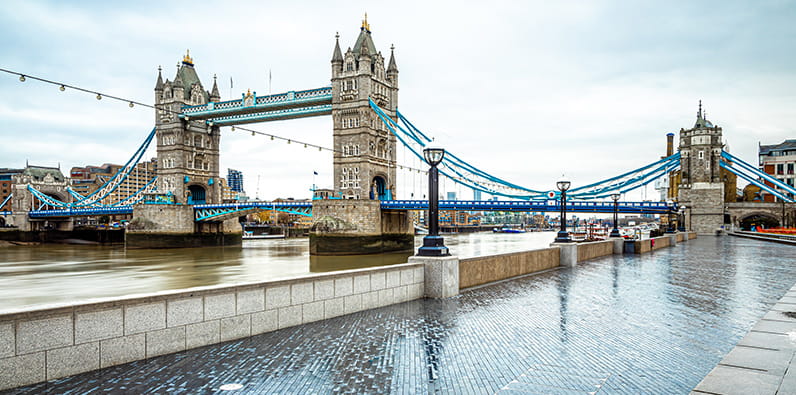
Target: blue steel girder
x,y
293,104
80,212
534,206
218,212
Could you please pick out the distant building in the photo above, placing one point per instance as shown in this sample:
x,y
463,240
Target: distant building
x,y
6,186
86,180
476,195
778,160
235,180
451,196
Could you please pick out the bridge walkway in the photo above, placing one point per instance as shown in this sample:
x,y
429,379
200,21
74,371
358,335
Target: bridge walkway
x,y
653,323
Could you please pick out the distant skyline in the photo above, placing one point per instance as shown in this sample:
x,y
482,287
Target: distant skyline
x,y
524,90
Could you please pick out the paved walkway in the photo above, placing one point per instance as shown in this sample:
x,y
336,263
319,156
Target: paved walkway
x,y
763,361
651,324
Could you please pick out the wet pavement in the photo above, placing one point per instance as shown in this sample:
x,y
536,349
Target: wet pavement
x,y
652,324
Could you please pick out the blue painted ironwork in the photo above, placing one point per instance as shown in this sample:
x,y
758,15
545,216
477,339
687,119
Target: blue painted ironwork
x,y
288,105
757,173
207,212
80,212
6,200
470,176
533,206
756,181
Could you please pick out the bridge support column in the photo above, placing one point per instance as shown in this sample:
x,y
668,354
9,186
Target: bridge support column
x,y
173,226
357,227
441,275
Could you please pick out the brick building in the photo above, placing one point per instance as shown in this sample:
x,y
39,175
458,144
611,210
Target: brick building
x,y
778,160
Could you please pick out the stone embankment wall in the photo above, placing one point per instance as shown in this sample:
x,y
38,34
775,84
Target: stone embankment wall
x,y
50,343
595,249
483,270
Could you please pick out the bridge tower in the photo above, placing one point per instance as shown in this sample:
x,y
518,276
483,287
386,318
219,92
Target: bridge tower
x,y
365,150
702,181
188,151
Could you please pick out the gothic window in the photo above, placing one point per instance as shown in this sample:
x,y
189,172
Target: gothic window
x,y
197,141
701,155
345,150
349,66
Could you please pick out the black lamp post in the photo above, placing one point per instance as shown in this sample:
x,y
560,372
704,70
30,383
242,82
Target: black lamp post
x,y
563,236
681,220
433,244
615,231
670,227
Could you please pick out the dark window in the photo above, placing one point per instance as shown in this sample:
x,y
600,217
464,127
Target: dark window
x,y
780,169
790,168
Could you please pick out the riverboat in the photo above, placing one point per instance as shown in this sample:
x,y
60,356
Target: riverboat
x,y
506,229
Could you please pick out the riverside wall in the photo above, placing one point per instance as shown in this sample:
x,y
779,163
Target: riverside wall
x,y
52,342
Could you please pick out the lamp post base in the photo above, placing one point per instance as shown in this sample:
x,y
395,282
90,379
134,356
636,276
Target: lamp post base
x,y
562,237
615,233
433,246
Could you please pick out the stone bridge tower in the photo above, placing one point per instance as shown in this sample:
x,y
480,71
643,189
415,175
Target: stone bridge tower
x,y
188,151
365,150
702,182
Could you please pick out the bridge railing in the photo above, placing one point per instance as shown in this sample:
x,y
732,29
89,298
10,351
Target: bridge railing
x,y
231,106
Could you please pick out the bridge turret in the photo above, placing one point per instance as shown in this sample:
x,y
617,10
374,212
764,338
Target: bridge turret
x,y
214,95
364,161
704,185
188,150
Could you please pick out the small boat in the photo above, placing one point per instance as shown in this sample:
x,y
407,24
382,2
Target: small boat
x,y
506,229
249,235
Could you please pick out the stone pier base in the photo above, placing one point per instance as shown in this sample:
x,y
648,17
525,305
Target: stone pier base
x,y
569,253
441,275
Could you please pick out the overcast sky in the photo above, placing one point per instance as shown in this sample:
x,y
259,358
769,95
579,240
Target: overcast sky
x,y
524,90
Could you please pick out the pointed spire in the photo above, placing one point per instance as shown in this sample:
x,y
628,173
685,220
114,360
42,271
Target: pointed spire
x,y
392,68
365,24
159,84
338,55
214,95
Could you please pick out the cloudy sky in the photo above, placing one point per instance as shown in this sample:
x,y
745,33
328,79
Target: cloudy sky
x,y
525,90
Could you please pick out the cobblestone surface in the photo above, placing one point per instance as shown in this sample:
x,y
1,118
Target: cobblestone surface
x,y
651,324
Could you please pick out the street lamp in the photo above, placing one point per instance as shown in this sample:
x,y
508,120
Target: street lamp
x,y
681,221
563,236
615,231
670,225
433,244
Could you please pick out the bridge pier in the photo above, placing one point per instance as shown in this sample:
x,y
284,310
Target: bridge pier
x,y
173,226
358,227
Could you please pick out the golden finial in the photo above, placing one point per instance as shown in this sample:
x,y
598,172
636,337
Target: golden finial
x,y
248,93
365,24
187,58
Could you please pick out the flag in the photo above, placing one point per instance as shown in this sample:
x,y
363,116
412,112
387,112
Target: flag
x,y
230,82
315,173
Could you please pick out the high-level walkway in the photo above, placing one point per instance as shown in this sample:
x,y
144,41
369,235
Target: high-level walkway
x,y
652,324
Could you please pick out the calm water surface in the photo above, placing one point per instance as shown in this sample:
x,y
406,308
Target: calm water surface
x,y
47,274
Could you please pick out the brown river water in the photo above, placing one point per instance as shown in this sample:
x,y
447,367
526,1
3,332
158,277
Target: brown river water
x,y
32,276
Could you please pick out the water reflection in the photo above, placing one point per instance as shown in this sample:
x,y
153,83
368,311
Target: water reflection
x,y
320,264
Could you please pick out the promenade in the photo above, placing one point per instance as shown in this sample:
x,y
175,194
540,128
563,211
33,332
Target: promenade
x,y
624,324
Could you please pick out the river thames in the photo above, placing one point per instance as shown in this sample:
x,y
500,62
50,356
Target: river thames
x,y
48,274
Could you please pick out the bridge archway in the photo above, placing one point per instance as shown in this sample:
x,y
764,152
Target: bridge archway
x,y
759,218
197,194
378,188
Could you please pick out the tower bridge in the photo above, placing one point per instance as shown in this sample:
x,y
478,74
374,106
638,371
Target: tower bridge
x,y
184,201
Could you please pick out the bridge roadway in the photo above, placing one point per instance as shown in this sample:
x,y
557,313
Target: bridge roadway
x,y
207,212
624,324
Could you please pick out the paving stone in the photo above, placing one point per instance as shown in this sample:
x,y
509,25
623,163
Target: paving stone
x,y
343,286
301,293
202,333
184,311
145,317
729,380
22,370
250,301
236,327
62,362
165,341
324,289
122,350
769,340
277,297
774,326
98,325
7,339
44,334
219,306
772,361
